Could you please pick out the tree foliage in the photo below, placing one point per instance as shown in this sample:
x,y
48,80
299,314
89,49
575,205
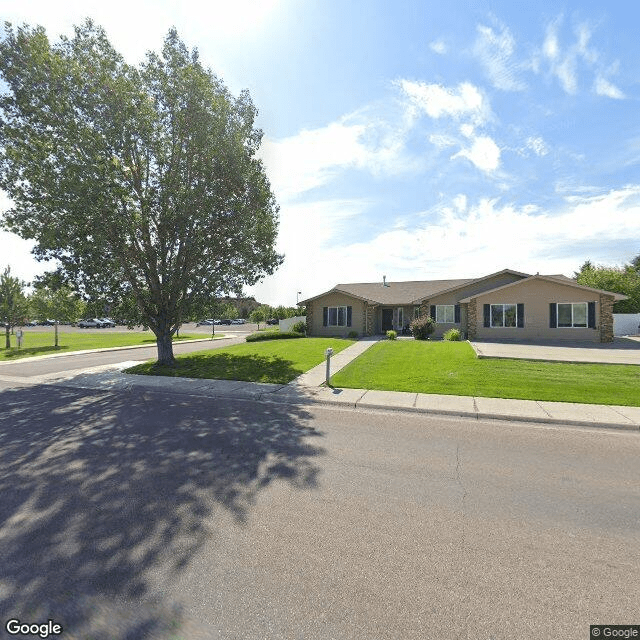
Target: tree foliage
x,y
624,279
61,305
142,182
13,303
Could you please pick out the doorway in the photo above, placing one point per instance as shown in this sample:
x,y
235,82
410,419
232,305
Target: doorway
x,y
387,320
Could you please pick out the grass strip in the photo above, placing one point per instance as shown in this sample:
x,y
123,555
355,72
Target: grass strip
x,y
274,361
452,368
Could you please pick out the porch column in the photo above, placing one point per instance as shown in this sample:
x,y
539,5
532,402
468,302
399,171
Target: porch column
x,y
472,319
606,318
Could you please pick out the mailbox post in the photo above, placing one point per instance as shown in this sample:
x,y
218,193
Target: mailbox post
x,y
328,353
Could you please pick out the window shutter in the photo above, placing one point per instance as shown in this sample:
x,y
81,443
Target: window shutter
x,y
520,316
553,316
456,314
432,311
591,314
348,316
325,316
487,314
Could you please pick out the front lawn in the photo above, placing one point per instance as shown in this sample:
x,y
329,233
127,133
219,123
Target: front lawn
x,y
452,368
277,361
39,343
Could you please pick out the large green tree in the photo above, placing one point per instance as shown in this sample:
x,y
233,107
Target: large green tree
x,y
13,303
623,279
143,182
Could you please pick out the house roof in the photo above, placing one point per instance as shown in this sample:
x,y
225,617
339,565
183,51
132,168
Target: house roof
x,y
404,293
557,279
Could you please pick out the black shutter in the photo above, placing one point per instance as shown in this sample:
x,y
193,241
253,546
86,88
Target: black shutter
x,y
456,314
553,316
591,315
348,316
520,315
487,314
432,312
325,316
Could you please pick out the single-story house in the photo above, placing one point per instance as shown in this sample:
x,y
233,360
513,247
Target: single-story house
x,y
507,305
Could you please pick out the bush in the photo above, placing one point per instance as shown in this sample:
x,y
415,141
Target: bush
x,y
273,335
391,334
299,327
422,327
453,335
352,334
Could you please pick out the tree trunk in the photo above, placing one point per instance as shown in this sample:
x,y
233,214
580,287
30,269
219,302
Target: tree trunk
x,y
165,349
8,337
56,334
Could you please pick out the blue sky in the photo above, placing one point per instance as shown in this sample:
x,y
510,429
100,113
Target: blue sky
x,y
416,140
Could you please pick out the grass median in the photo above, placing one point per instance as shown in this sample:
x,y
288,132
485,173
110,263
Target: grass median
x,y
274,361
40,343
452,368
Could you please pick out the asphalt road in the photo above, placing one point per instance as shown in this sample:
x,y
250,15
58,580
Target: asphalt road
x,y
69,362
147,515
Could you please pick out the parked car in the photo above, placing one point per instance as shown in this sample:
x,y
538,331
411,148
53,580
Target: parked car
x,y
32,323
205,323
107,322
47,323
273,321
90,323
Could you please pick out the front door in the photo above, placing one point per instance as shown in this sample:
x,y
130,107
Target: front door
x,y
387,320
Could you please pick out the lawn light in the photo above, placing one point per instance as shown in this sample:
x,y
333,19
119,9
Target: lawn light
x,y
328,353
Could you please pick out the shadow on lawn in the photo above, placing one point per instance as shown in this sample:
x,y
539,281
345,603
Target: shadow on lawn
x,y
107,498
14,353
228,366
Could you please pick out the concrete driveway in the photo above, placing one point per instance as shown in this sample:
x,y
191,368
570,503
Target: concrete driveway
x,y
620,351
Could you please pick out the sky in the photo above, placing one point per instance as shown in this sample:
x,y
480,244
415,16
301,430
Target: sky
x,y
414,140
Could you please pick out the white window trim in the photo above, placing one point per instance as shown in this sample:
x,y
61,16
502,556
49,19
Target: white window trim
x,y
337,316
400,317
503,305
586,325
453,313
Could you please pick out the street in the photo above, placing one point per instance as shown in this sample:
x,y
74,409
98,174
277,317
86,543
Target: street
x,y
151,515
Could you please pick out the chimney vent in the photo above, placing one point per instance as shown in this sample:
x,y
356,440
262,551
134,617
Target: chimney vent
x,y
384,281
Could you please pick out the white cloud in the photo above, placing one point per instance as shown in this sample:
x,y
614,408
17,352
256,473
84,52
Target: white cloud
x,y
484,153
605,88
437,101
439,47
464,241
537,145
495,51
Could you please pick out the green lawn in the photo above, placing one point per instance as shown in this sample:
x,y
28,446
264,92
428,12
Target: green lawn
x,y
452,368
38,343
277,361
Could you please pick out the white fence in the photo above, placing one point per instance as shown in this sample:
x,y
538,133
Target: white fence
x,y
626,324
287,323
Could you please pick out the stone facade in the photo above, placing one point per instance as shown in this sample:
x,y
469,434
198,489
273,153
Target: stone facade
x,y
464,315
472,319
309,316
370,319
606,318
424,308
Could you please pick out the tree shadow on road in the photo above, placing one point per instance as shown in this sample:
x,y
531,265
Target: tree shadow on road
x,y
107,497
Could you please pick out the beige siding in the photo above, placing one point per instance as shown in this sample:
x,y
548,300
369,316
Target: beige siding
x,y
338,300
536,295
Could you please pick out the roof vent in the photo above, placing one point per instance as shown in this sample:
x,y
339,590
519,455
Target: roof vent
x,y
384,281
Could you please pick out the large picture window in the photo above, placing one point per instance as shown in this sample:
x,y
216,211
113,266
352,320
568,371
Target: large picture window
x,y
445,313
572,314
504,315
336,316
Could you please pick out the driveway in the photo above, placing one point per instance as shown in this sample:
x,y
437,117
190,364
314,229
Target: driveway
x,y
620,351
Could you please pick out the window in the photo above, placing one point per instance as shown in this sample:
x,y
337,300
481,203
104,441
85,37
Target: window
x,y
416,312
445,313
572,314
504,315
336,316
400,317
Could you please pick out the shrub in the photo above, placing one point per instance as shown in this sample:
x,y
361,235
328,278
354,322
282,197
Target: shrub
x,y
352,334
299,327
273,335
391,334
422,327
453,335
